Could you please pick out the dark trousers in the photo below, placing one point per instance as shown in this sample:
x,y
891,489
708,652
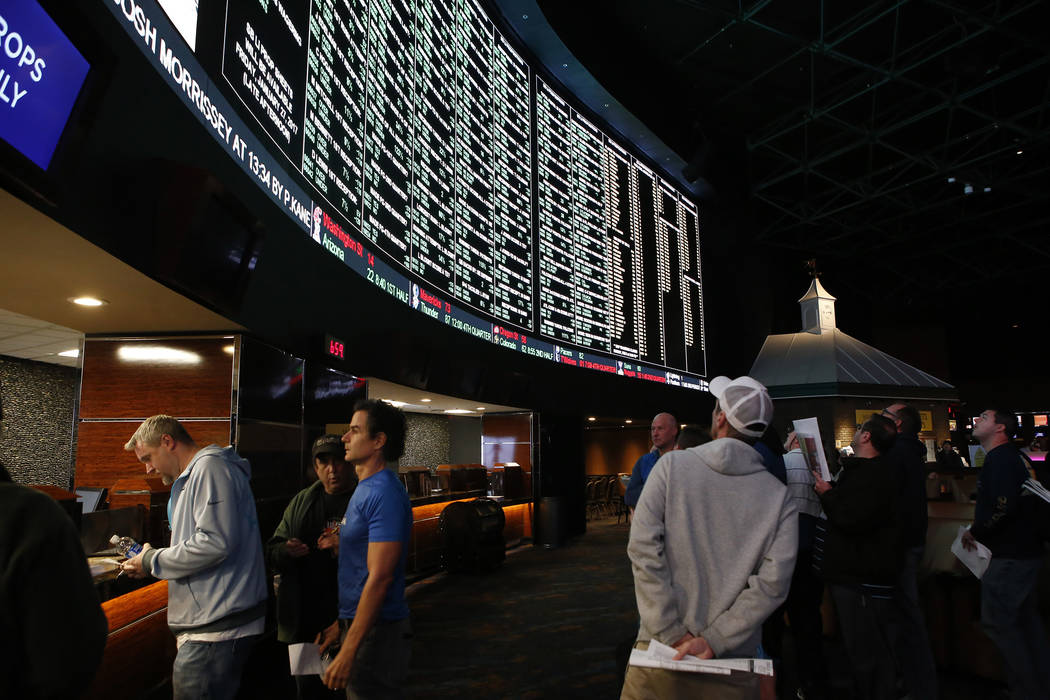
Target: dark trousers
x,y
911,644
864,621
803,610
1010,617
381,664
311,688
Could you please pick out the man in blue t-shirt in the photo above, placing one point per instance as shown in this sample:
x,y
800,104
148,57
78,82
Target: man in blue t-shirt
x,y
663,431
373,628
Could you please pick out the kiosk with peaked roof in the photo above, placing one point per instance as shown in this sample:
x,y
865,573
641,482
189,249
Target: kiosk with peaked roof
x,y
826,373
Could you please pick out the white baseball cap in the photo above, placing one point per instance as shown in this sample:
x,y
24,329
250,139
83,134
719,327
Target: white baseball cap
x,y
745,402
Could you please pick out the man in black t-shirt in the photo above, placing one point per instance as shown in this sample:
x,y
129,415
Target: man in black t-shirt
x,y
307,596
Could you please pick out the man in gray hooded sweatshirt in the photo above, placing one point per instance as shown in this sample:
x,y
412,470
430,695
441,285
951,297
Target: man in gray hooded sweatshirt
x,y
214,566
713,546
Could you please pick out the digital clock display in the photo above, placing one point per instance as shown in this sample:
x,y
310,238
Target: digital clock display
x,y
335,347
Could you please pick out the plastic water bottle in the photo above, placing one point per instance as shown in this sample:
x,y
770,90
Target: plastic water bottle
x,y
126,546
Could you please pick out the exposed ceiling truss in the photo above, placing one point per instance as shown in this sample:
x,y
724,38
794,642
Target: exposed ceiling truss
x,y
905,130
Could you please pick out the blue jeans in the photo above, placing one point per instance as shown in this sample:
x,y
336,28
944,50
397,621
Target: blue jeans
x,y
210,669
1010,617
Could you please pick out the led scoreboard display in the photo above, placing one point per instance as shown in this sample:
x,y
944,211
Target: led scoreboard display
x,y
414,142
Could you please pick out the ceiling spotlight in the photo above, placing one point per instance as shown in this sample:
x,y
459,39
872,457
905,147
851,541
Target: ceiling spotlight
x,y
967,188
590,418
685,425
1020,151
88,301
987,189
426,400
228,349
458,411
75,352
951,180
481,408
628,421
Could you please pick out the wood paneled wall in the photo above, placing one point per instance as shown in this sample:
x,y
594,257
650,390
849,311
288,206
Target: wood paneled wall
x,y
507,438
614,451
199,385
119,391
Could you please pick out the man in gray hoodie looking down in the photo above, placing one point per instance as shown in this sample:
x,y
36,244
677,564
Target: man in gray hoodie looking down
x,y
713,546
214,566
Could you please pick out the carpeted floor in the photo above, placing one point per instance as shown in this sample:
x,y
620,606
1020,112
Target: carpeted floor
x,y
545,625
548,624
557,624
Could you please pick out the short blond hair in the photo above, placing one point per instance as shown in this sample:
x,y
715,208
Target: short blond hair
x,y
154,428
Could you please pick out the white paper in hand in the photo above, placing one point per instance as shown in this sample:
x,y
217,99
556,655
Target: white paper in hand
x,y
976,561
305,659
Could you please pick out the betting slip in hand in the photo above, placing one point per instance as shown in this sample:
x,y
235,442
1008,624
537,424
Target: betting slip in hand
x,y
305,659
662,656
977,561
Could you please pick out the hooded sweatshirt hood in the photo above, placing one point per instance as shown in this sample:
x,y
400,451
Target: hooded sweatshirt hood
x,y
226,453
728,456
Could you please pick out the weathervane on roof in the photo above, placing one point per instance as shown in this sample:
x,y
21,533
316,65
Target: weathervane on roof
x,y
811,268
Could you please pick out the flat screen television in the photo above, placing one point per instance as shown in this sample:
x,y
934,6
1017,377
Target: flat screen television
x,y
42,75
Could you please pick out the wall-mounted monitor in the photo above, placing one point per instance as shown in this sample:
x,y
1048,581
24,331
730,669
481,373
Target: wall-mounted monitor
x,y
41,74
90,498
420,144
1040,419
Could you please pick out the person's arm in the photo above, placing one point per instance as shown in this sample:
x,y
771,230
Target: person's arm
x,y
634,485
383,558
652,578
217,526
855,503
766,589
282,549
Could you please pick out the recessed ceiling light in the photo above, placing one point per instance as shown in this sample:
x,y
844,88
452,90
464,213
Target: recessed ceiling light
x,y
685,425
1020,151
395,404
590,418
88,301
75,352
951,180
481,408
458,410
426,400
628,421
228,349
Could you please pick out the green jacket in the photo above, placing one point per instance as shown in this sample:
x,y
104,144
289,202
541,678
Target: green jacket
x,y
308,595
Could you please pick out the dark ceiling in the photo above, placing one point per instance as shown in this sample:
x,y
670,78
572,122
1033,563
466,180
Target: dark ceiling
x,y
901,144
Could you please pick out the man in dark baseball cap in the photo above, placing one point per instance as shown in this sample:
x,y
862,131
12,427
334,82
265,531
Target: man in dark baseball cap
x,y
307,595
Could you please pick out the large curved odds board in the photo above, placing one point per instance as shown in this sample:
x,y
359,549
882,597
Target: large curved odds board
x,y
415,142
